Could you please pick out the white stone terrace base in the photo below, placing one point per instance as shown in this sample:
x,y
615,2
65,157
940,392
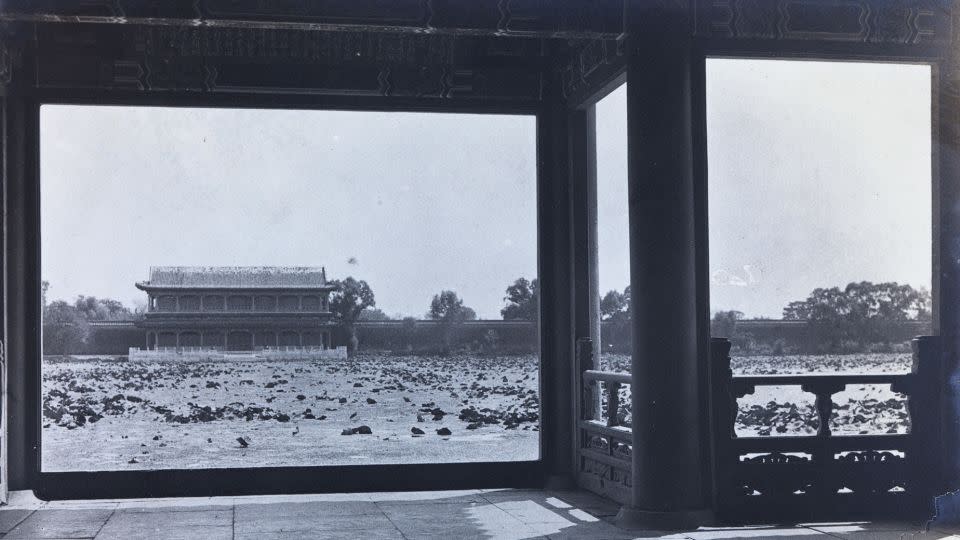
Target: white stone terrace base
x,y
209,354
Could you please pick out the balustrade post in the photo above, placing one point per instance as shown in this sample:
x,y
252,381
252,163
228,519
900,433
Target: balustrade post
x,y
723,402
822,455
723,405
589,394
824,404
613,403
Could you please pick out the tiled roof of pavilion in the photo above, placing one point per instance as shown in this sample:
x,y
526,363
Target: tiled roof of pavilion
x,y
236,277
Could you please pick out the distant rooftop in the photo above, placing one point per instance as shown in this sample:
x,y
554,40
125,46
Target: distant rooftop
x,y
236,277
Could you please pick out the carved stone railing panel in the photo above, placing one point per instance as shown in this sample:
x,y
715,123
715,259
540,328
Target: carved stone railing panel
x,y
773,474
605,448
827,475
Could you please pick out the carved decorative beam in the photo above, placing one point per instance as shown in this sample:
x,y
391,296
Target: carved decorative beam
x,y
902,22
212,59
590,65
532,18
11,47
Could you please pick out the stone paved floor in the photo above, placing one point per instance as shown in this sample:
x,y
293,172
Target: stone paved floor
x,y
457,515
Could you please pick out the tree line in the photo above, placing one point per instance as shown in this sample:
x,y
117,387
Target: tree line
x,y
861,316
66,325
353,300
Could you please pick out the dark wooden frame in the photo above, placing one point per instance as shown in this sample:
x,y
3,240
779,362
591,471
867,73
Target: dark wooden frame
x,y
598,42
24,258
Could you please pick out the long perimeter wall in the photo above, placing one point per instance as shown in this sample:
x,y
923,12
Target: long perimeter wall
x,y
118,337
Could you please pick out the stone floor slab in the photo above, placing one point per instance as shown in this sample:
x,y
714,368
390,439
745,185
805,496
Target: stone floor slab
x,y
200,518
893,535
246,512
588,502
536,512
301,498
876,530
430,511
503,495
422,497
11,518
379,534
582,530
139,509
81,523
170,532
454,515
464,521
755,531
358,524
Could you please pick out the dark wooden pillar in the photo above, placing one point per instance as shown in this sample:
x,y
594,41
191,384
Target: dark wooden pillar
x,y
556,298
4,443
586,275
946,278
23,345
669,489
586,298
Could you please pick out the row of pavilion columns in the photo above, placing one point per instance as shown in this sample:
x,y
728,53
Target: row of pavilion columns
x,y
153,338
153,302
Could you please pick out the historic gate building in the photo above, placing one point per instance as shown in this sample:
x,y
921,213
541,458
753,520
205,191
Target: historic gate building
x,y
237,308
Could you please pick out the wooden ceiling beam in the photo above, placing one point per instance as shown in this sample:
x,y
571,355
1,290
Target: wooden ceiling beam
x,y
591,19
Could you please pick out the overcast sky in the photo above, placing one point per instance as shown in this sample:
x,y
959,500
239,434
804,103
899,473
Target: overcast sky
x,y
412,203
819,175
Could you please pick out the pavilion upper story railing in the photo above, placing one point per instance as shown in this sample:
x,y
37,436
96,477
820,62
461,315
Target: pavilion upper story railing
x,y
604,445
217,348
827,476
